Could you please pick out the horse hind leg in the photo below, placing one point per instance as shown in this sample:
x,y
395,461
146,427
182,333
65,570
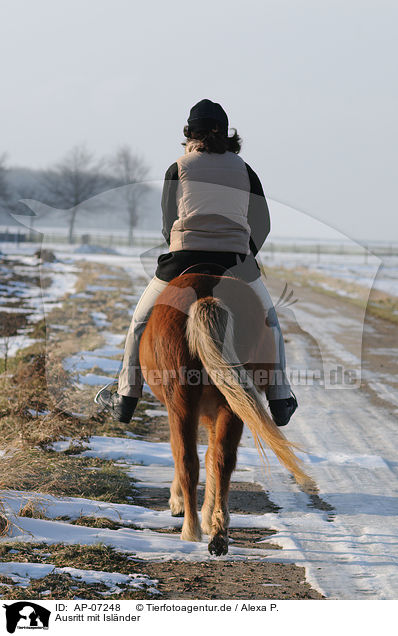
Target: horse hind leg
x,y
227,437
209,498
183,431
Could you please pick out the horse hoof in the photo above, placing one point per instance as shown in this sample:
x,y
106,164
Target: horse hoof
x,y
177,514
218,545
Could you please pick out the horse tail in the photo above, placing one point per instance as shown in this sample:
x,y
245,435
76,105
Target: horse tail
x,y
210,336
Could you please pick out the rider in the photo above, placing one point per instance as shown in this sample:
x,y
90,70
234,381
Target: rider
x,y
214,210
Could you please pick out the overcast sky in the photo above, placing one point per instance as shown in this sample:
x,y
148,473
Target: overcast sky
x,y
310,86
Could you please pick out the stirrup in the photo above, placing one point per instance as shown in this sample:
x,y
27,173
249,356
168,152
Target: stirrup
x,y
104,388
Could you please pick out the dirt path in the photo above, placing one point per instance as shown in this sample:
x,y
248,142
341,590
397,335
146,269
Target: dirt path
x,y
230,580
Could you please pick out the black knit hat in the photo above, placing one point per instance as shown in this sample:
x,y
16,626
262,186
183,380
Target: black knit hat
x,y
207,114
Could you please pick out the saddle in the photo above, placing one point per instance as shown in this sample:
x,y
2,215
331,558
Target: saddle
x,y
212,269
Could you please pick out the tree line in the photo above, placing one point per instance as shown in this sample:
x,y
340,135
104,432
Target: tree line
x,y
72,185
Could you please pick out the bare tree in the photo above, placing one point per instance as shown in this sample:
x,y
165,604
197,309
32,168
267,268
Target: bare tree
x,y
130,171
77,178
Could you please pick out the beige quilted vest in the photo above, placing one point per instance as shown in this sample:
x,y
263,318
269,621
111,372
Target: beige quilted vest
x,y
212,203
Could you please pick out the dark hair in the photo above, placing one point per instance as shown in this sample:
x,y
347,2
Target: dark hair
x,y
213,140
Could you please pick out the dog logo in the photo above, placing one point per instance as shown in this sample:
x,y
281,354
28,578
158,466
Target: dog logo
x,y
26,615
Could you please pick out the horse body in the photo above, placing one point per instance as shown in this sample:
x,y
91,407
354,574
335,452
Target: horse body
x,y
200,351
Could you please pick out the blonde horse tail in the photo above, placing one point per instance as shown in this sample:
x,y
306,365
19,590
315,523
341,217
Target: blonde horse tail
x,y
210,336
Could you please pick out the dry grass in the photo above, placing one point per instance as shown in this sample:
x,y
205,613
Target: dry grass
x,y
38,398
39,404
40,384
4,521
25,395
99,522
34,509
94,557
65,475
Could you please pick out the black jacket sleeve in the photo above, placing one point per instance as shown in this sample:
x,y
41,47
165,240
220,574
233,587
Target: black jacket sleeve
x,y
169,200
258,213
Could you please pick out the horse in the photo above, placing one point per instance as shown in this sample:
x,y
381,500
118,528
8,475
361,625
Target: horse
x,y
207,355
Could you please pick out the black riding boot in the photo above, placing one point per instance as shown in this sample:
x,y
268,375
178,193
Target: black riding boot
x,y
121,407
282,410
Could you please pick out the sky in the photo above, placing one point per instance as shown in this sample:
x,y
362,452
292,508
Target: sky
x,y
311,88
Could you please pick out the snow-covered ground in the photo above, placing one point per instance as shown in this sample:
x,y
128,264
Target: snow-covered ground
x,y
144,542
34,300
365,270
350,551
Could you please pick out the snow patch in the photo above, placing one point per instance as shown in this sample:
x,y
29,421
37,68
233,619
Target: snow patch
x,y
22,573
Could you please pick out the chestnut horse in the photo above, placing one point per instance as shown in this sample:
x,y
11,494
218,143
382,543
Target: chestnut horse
x,y
204,343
